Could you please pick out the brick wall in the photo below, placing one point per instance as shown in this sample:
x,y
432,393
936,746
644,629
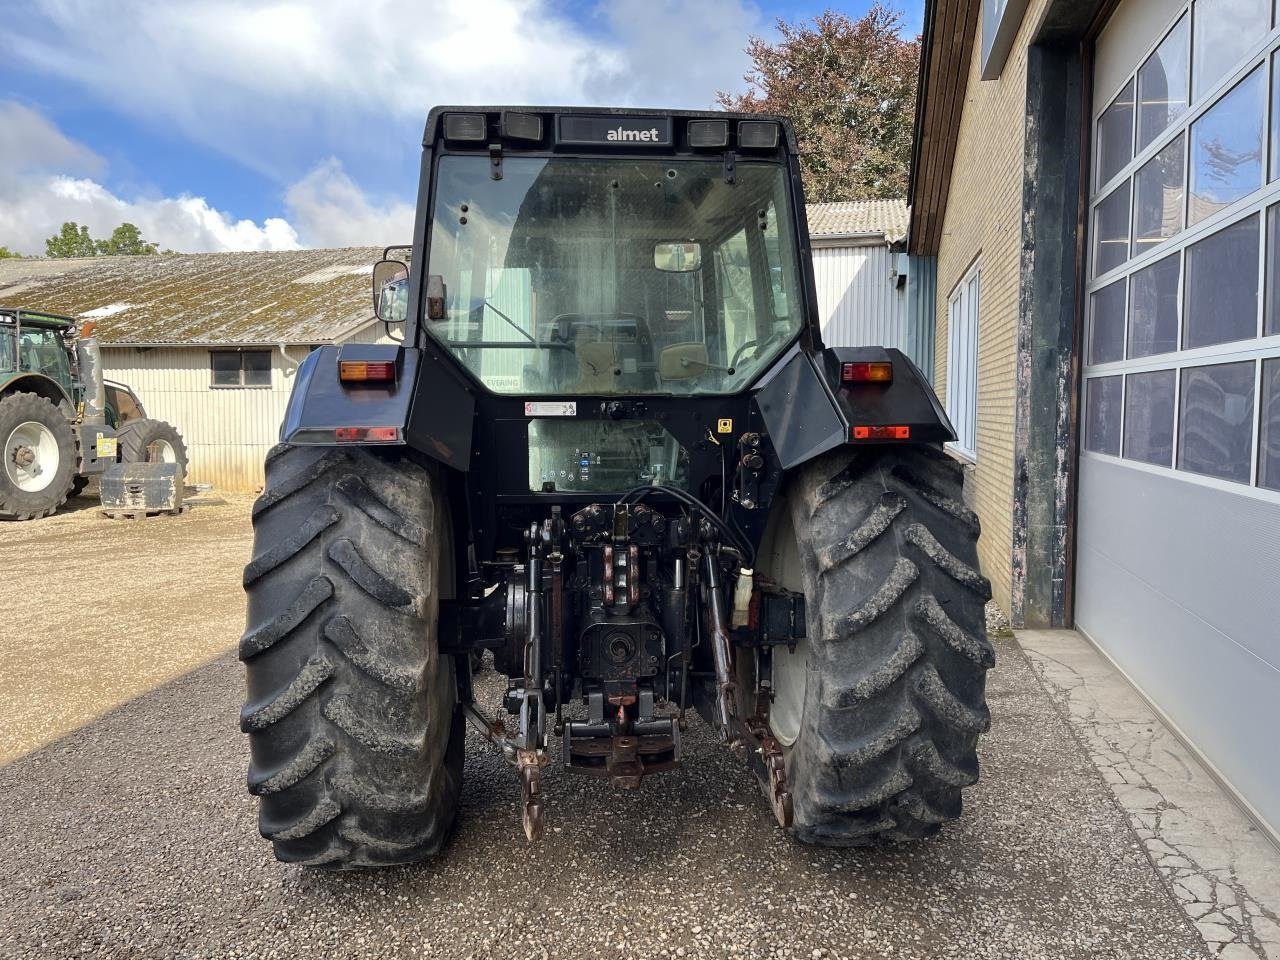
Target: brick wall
x,y
983,220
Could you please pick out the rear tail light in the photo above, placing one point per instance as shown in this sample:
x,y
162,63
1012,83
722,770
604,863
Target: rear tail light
x,y
366,434
366,371
895,432
861,372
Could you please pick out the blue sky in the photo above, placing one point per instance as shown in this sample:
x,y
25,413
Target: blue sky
x,y
253,124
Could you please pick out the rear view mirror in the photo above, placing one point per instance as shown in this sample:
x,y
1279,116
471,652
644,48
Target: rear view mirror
x,y
683,361
677,257
390,291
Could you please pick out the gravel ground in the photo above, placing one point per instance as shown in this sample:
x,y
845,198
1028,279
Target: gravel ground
x,y
127,831
105,610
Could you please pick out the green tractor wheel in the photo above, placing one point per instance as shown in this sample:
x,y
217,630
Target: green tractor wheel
x,y
39,457
152,441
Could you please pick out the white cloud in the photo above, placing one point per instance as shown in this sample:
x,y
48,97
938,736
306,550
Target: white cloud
x,y
32,143
275,83
675,53
39,191
329,210
184,223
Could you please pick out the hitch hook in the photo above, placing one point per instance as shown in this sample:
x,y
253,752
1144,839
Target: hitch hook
x,y
531,763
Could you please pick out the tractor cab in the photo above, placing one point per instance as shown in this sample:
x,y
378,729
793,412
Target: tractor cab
x,y
40,345
614,276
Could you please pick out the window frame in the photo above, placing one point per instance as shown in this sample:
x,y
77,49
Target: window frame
x,y
240,354
964,420
1264,53
1000,22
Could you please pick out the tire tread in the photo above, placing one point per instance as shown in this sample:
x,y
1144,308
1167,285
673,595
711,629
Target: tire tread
x,y
356,747
15,504
898,655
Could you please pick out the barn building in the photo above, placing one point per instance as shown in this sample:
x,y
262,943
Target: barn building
x,y
859,268
209,342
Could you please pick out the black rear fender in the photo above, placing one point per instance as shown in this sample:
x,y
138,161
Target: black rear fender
x,y
809,409
324,410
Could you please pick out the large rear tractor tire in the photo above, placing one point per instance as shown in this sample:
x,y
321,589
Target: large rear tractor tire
x,y
152,441
879,710
356,741
39,457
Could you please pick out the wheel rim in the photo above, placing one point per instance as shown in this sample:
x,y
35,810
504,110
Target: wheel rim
x,y
31,456
161,451
790,671
790,683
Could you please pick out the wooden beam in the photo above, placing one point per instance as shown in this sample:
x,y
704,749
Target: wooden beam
x,y
947,48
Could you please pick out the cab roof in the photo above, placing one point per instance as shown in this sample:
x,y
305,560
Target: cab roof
x,y
37,318
680,118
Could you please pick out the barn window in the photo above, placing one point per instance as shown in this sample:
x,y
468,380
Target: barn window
x,y
240,368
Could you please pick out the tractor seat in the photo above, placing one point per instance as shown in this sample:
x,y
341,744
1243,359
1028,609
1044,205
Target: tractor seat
x,y
596,362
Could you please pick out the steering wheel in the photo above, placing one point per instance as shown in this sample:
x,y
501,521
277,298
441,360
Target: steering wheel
x,y
755,346
752,345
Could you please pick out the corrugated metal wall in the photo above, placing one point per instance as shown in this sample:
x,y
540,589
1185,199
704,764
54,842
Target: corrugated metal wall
x,y
228,430
922,284
859,299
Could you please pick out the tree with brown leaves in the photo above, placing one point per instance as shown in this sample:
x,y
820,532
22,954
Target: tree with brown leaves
x,y
849,86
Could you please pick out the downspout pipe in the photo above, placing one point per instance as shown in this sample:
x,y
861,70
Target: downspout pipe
x,y
89,360
284,353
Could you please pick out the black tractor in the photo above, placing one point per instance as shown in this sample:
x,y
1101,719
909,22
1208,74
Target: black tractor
x,y
61,423
613,450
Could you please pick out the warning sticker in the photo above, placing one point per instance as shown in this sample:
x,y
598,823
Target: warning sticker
x,y
107,447
725,425
550,408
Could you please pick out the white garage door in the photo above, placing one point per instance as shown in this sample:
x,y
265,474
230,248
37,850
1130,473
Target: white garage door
x,y
1178,541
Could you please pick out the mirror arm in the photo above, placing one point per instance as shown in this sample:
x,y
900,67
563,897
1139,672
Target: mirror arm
x,y
706,365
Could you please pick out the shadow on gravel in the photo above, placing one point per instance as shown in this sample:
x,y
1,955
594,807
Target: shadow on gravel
x,y
134,836
88,500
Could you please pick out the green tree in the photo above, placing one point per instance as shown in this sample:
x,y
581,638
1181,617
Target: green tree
x,y
7,254
126,240
849,86
72,240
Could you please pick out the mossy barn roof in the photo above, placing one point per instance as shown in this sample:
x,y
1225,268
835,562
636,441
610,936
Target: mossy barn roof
x,y
224,299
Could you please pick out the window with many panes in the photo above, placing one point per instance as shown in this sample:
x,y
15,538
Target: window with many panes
x,y
1182,348
240,368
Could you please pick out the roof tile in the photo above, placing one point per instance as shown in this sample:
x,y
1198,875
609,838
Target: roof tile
x,y
885,217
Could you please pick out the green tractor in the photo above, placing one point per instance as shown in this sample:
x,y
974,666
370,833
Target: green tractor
x,y
60,421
